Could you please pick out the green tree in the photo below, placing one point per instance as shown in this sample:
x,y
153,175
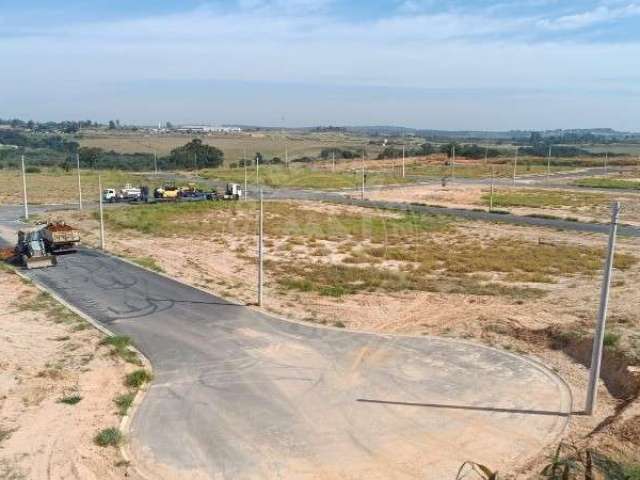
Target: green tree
x,y
196,154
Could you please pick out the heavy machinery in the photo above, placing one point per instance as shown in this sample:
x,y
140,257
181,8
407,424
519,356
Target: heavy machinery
x,y
125,194
232,192
32,250
60,237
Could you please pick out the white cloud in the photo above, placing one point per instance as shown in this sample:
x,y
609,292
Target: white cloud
x,y
589,18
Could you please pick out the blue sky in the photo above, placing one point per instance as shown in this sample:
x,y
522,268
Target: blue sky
x,y
487,64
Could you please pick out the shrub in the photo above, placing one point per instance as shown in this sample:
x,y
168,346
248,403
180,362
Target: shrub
x,y
138,378
123,402
611,339
71,399
109,437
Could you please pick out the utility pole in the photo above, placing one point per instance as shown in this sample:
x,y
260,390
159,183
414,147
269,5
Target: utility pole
x,y
515,166
493,175
549,164
257,172
24,190
403,155
244,162
155,162
101,213
286,154
79,182
333,159
260,248
606,160
486,154
453,162
598,338
363,177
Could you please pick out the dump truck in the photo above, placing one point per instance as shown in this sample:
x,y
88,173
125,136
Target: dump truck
x,y
60,237
32,250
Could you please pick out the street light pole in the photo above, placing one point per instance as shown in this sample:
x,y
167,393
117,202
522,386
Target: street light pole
x,y
79,182
24,190
598,338
101,213
363,177
515,166
403,155
453,162
549,163
260,248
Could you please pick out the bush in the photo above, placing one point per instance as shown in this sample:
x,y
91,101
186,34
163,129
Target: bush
x,y
71,399
109,437
611,339
138,378
123,402
32,170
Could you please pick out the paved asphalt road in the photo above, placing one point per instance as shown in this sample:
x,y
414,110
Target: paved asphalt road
x,y
238,394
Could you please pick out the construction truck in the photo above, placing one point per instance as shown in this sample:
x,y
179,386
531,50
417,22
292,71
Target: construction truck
x,y
60,237
32,250
232,192
125,194
166,192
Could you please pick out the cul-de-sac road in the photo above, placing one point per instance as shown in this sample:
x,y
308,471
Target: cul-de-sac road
x,y
238,394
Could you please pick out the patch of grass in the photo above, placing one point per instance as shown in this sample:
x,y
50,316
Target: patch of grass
x,y
5,433
611,339
613,183
301,177
138,378
123,402
71,399
632,471
109,437
148,262
544,199
121,348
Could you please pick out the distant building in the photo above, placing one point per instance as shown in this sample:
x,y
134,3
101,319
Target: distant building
x,y
207,129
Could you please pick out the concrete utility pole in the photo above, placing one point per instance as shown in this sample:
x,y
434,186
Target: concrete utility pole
x,y
101,213
493,176
453,163
155,162
333,159
257,172
260,248
515,166
606,160
24,190
549,164
598,338
363,177
403,155
245,179
486,154
79,182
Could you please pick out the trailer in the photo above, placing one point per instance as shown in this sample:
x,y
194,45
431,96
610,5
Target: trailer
x,y
60,237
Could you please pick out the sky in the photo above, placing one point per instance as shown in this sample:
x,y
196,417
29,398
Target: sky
x,y
456,65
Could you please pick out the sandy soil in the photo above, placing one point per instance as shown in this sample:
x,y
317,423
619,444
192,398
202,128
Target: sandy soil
x,y
43,361
470,197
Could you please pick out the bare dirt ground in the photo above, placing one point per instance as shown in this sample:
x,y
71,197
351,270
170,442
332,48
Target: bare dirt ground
x,y
552,328
595,209
49,354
